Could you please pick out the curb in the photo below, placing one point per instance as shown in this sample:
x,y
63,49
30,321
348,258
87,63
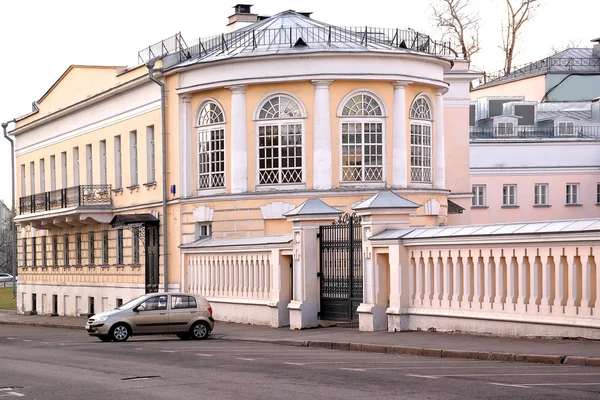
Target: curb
x,y
427,352
382,348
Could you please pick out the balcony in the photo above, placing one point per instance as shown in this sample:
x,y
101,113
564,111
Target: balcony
x,y
66,207
534,133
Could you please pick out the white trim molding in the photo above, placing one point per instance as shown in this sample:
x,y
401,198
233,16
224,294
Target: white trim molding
x,y
259,105
375,95
203,214
276,210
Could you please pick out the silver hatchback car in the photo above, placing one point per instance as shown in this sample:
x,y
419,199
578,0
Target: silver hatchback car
x,y
189,316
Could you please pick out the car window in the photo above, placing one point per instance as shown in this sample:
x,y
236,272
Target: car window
x,y
154,303
178,302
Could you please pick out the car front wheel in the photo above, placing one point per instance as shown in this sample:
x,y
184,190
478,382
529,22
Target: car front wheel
x,y
120,333
200,330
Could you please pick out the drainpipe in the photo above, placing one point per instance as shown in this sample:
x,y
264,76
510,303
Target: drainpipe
x,y
13,227
150,66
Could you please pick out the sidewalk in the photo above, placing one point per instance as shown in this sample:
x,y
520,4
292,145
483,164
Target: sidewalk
x,y
433,344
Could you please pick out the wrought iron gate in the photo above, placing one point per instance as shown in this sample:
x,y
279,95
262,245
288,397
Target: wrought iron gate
x,y
341,268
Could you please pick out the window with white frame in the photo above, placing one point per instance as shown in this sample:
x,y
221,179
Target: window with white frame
x,y
479,196
52,173
103,162
133,158
505,128
203,230
566,128
362,139
280,141
118,163
540,195
211,146
150,155
76,166
509,195
42,175
421,123
23,181
572,194
32,176
89,164
63,165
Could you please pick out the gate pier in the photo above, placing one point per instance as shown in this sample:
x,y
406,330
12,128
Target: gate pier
x,y
306,220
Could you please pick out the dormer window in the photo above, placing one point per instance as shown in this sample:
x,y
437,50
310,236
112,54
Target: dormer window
x,y
505,129
566,128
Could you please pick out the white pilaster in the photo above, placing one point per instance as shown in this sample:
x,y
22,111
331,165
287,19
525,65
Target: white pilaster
x,y
238,161
185,146
440,154
322,161
399,138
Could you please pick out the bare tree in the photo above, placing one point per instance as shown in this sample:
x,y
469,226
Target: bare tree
x,y
571,44
460,22
518,12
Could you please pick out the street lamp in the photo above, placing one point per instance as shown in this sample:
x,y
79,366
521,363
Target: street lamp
x,y
13,228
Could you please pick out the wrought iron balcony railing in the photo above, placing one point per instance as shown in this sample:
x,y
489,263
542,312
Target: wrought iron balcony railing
x,y
63,198
591,133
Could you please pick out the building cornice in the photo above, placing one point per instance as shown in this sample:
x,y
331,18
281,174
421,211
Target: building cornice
x,y
535,171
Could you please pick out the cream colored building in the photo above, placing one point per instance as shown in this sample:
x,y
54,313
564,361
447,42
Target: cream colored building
x,y
258,121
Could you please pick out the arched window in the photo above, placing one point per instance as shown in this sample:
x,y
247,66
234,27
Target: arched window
x,y
420,140
362,139
211,146
280,129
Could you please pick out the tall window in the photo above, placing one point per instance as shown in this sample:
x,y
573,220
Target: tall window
x,y
280,141
23,181
135,244
76,166
572,193
509,195
54,251
420,141
479,199
43,251
66,249
105,247
52,172
32,176
362,139
211,146
91,248
34,251
150,154
78,248
89,164
119,246
63,164
541,194
118,169
133,154
24,251
42,175
103,167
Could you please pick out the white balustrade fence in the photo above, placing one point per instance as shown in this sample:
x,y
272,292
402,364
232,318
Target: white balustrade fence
x,y
243,276
536,280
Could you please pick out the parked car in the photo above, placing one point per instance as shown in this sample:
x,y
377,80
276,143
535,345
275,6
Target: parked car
x,y
6,277
189,316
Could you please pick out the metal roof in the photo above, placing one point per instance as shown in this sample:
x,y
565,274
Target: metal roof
x,y
239,242
569,61
292,33
385,199
312,207
567,226
576,115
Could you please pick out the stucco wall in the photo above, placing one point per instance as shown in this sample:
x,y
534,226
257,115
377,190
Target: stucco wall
x,y
532,88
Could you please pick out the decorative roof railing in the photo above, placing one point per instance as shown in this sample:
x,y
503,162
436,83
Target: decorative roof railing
x,y
63,198
555,64
290,36
535,133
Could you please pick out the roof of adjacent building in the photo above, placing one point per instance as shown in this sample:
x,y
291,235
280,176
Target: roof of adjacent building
x,y
312,207
577,115
290,32
579,60
529,228
239,242
385,199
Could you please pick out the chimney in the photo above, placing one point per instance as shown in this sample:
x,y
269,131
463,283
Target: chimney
x,y
242,17
305,13
596,48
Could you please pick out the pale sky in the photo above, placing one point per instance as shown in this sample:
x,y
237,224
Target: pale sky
x,y
41,38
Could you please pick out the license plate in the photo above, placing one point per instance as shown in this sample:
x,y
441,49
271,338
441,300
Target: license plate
x,y
87,326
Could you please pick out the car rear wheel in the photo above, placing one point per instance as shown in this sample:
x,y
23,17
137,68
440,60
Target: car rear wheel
x,y
200,330
120,333
184,336
105,338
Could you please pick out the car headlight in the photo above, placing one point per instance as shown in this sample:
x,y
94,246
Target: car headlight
x,y
102,319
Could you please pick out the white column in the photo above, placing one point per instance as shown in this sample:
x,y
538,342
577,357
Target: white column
x,y
238,160
322,159
399,139
440,154
185,146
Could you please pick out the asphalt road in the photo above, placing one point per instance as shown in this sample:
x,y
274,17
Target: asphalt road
x,y
49,363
